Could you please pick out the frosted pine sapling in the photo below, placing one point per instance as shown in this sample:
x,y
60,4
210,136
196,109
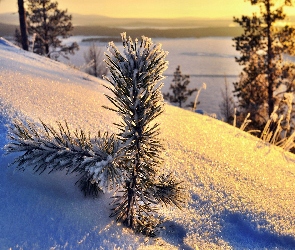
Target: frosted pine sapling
x,y
129,162
137,99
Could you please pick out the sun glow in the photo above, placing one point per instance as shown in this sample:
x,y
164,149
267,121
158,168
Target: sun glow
x,y
154,8
160,9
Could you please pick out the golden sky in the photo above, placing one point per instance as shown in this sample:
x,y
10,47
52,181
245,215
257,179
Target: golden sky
x,y
153,8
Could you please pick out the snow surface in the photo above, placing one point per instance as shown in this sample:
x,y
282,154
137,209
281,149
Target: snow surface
x,y
240,190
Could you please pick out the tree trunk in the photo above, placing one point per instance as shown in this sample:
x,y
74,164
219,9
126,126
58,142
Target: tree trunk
x,y
23,25
269,60
46,38
95,62
133,182
47,50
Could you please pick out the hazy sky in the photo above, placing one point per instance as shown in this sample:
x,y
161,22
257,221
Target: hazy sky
x,y
152,8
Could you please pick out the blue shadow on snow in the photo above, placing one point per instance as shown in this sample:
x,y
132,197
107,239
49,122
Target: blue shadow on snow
x,y
241,233
174,234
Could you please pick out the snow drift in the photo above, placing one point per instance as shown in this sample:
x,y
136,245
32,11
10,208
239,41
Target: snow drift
x,y
240,190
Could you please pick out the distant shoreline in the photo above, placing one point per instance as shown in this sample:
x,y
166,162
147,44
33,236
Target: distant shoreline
x,y
155,33
8,30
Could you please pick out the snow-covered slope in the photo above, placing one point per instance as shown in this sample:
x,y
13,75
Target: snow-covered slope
x,y
240,190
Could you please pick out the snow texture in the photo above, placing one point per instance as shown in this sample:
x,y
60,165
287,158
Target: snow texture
x,y
240,190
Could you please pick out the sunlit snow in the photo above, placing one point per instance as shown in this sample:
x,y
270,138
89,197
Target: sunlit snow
x,y
240,191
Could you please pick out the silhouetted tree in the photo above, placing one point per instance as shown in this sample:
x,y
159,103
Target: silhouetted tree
x,y
262,45
180,93
50,25
227,105
94,60
17,37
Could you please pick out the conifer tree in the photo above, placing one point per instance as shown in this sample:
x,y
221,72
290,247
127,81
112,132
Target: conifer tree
x,y
227,105
50,25
262,45
94,59
180,92
17,38
129,161
138,100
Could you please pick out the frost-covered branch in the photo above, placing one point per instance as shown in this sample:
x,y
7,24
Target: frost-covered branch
x,y
46,149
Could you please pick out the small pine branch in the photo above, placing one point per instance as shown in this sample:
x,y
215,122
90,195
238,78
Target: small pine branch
x,y
168,191
134,210
46,149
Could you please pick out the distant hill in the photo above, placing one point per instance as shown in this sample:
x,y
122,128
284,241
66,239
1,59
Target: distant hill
x,y
9,18
168,33
96,25
98,20
95,20
7,29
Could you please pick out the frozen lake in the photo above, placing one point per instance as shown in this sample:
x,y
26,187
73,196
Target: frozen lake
x,y
206,60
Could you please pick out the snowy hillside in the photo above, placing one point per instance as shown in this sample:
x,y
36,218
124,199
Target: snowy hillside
x,y
240,190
